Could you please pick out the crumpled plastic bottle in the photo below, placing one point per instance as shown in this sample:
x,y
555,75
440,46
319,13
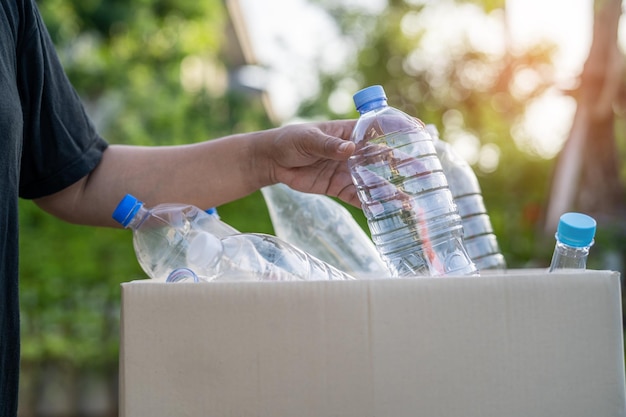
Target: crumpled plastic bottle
x,y
324,228
168,237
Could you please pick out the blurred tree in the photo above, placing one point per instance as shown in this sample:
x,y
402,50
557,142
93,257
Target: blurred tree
x,y
587,175
151,72
481,96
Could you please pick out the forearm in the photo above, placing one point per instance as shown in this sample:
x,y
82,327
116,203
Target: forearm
x,y
205,174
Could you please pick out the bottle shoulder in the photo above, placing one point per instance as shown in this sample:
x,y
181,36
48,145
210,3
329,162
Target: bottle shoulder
x,y
461,177
385,121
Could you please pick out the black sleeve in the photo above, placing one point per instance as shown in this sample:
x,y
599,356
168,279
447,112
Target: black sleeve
x,y
60,143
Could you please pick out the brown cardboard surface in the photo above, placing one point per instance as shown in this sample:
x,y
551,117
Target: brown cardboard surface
x,y
524,344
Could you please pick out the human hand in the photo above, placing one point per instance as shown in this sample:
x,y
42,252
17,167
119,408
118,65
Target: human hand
x,y
312,157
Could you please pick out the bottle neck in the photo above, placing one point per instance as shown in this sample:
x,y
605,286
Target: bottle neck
x,y
567,257
139,213
372,105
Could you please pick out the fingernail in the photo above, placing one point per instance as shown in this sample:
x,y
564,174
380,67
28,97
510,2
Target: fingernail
x,y
343,147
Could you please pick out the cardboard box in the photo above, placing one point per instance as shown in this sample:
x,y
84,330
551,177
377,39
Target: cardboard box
x,y
527,344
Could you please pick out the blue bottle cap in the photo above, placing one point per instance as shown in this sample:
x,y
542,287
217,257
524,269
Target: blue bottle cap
x,y
213,212
369,96
576,230
126,209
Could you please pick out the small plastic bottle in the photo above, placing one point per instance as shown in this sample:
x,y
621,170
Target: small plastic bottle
x,y
574,237
324,228
404,193
480,241
168,237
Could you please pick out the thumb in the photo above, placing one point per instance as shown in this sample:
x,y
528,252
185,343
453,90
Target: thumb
x,y
331,147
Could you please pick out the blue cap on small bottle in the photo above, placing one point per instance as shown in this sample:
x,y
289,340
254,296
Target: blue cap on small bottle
x,y
368,97
576,230
126,209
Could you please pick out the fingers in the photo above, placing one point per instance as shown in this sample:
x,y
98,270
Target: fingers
x,y
349,195
312,158
345,149
335,143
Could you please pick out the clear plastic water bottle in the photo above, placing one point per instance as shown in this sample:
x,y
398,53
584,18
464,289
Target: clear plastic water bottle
x,y
574,237
169,237
404,193
324,228
255,257
478,236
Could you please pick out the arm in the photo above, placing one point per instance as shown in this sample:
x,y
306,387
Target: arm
x,y
307,157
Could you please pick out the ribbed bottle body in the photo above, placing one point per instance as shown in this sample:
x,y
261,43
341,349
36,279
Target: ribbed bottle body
x,y
478,235
405,196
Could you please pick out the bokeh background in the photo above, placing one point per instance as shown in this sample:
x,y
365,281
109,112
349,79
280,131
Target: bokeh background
x,y
531,93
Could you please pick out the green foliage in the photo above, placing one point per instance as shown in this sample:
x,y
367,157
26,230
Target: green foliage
x,y
150,72
489,5
70,278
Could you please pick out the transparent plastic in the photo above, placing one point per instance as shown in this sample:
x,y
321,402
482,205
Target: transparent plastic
x,y
324,228
182,275
164,235
567,257
574,238
256,257
404,193
478,236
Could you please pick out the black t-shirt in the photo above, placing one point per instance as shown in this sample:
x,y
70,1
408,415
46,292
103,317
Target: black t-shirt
x,y
47,143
